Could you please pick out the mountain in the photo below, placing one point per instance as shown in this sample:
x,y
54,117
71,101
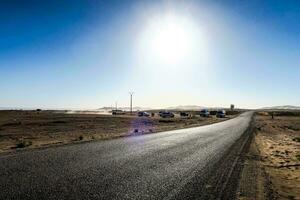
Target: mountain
x,y
192,107
285,107
180,107
16,108
185,107
124,108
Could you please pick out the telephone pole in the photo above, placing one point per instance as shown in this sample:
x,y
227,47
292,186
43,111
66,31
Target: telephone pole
x,y
131,93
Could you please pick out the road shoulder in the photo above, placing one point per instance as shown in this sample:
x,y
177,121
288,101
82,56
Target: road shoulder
x,y
271,168
254,182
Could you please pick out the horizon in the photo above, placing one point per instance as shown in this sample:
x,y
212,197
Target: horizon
x,y
90,54
136,108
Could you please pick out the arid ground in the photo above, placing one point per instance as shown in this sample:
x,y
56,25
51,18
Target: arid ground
x,y
272,165
31,129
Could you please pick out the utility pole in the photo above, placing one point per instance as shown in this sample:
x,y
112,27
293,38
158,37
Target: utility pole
x,y
131,93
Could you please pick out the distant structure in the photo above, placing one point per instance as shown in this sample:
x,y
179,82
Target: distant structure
x,y
231,107
118,112
131,93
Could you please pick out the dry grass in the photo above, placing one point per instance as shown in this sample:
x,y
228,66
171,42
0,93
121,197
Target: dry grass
x,y
49,128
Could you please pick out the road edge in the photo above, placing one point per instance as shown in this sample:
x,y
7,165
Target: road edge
x,y
254,182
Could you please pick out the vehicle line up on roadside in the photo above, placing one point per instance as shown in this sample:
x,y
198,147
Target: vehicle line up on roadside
x,y
169,114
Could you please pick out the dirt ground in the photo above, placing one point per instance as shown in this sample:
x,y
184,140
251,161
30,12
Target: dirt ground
x,y
31,129
278,143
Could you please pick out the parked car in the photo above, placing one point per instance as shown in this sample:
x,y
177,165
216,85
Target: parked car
x,y
221,113
184,114
143,114
204,113
165,114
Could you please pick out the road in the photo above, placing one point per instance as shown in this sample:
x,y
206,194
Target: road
x,y
193,163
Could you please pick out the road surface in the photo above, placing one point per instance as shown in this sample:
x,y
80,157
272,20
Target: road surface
x,y
193,163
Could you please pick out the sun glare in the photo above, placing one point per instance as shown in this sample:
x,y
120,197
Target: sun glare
x,y
168,39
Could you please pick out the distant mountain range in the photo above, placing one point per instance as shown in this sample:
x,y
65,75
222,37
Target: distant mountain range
x,y
16,108
123,108
180,107
286,107
186,107
193,107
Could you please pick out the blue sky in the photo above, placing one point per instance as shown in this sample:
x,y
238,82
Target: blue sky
x,y
89,54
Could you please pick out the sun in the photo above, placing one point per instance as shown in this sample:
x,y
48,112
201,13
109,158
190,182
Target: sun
x,y
170,41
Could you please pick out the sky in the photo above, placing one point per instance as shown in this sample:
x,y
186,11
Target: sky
x,y
89,54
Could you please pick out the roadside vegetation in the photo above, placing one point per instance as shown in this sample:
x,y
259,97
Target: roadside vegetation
x,y
23,144
31,129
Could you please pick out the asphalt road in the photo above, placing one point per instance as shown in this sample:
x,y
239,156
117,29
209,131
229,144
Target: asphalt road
x,y
168,165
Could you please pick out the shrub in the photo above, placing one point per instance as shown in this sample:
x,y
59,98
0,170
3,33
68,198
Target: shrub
x,y
23,144
296,139
286,113
165,120
59,122
20,145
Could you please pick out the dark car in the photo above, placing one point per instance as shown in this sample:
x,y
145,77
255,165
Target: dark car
x,y
166,114
221,114
143,114
204,113
118,112
184,114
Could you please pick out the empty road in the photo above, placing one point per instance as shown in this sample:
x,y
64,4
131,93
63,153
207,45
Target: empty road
x,y
194,163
